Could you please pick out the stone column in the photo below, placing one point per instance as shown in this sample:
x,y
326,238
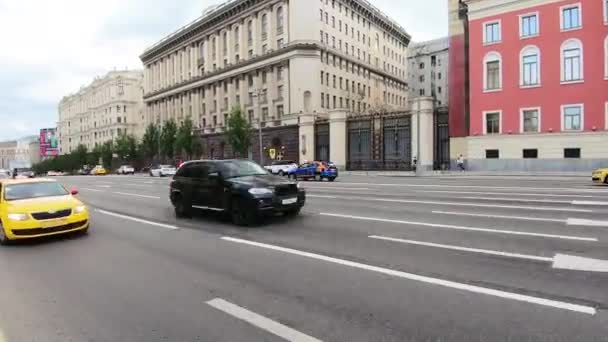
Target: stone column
x,y
422,113
337,138
307,137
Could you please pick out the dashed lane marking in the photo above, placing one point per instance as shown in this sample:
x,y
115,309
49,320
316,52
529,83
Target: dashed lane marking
x,y
135,219
424,279
524,218
136,195
260,321
463,228
589,203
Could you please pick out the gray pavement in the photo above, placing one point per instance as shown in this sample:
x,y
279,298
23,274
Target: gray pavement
x,y
370,259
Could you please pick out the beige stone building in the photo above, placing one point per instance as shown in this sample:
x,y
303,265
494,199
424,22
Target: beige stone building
x,y
304,58
111,105
21,152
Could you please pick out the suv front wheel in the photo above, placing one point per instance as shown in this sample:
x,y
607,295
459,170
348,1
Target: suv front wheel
x,y
241,215
182,210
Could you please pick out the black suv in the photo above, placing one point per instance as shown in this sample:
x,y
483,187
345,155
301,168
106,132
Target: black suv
x,y
241,188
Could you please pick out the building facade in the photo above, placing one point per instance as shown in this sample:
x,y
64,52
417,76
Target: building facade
x,y
538,84
111,105
428,70
279,61
23,152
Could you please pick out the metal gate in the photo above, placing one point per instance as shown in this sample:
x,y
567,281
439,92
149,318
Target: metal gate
x,y
442,141
322,142
359,144
397,144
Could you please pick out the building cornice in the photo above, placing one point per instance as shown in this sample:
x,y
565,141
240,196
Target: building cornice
x,y
276,56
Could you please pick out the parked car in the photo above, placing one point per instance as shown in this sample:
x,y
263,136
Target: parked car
x,y
315,170
281,167
241,188
55,173
85,171
126,170
162,171
23,173
99,171
600,176
4,174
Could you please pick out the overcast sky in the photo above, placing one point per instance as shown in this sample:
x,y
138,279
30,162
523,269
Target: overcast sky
x,y
51,48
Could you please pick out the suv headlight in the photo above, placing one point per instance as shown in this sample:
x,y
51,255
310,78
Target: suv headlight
x,y
80,209
17,217
260,191
299,185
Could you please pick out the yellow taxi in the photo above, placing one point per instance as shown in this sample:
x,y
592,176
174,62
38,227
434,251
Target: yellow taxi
x,y
99,171
600,176
31,208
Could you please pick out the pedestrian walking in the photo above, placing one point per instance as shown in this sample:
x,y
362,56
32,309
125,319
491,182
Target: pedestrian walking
x,y
460,162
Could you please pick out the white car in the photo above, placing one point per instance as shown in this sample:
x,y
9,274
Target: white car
x,y
281,167
162,171
126,170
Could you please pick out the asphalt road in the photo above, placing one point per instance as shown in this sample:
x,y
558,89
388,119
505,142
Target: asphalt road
x,y
370,259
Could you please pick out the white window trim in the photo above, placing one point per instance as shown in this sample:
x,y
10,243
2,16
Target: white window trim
x,y
562,107
485,72
521,119
606,116
606,58
605,5
561,62
485,126
483,26
521,28
521,67
561,16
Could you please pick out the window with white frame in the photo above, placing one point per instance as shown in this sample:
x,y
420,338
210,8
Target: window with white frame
x,y
530,66
530,120
605,11
572,117
492,71
492,122
606,57
572,60
491,32
529,26
570,17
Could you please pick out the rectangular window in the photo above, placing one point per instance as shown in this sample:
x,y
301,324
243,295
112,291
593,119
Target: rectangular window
x,y
530,69
492,123
574,153
530,154
493,74
529,25
571,17
492,32
530,120
572,64
492,154
572,118
280,111
280,92
280,43
606,11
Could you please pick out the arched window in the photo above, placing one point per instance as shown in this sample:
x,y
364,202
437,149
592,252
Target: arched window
x,y
225,43
492,72
572,61
280,20
264,26
213,48
529,67
250,32
237,35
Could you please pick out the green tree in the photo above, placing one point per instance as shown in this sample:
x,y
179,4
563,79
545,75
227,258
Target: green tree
x,y
183,140
121,147
93,156
149,145
238,132
167,139
80,155
107,151
197,148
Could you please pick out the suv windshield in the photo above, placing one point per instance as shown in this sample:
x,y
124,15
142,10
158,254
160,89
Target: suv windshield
x,y
33,190
241,168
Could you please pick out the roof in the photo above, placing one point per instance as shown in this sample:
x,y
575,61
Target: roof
x,y
26,181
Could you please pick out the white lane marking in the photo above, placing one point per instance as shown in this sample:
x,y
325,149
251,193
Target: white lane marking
x,y
424,279
589,203
474,229
516,199
585,222
576,263
104,186
464,249
207,208
135,195
478,187
149,182
524,218
135,219
334,188
260,321
373,199
94,190
503,193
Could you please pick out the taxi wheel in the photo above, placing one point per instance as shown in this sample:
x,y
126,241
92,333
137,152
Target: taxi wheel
x,y
606,180
3,239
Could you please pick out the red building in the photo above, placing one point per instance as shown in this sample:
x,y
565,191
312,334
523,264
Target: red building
x,y
537,76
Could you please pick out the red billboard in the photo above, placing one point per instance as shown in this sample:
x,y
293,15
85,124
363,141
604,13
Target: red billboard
x,y
49,146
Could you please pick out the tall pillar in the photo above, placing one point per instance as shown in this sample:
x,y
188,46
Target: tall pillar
x,y
422,114
337,138
307,137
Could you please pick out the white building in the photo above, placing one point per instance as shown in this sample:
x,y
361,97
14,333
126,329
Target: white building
x,y
428,70
111,105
